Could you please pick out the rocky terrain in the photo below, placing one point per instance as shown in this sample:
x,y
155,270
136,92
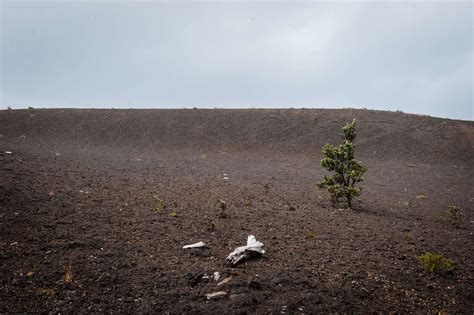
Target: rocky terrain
x,y
96,205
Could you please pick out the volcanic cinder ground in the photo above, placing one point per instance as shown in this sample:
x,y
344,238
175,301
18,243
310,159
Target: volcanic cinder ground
x,y
96,205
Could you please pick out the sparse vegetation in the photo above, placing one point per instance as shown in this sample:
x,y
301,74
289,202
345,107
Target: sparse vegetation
x,y
436,263
249,201
453,216
210,225
309,234
408,237
349,171
160,203
222,210
123,222
68,276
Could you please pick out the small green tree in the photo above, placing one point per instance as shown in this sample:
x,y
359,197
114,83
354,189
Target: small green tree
x,y
436,263
348,171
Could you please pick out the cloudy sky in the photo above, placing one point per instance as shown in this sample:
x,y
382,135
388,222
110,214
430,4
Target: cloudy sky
x,y
414,56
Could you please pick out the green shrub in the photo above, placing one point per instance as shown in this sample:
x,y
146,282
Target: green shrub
x,y
160,203
408,237
436,263
309,234
348,171
222,212
453,216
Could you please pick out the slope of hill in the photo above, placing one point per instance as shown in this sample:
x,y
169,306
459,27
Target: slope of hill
x,y
96,205
278,130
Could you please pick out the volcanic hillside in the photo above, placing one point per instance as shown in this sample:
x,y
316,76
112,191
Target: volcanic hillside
x,y
390,135
95,206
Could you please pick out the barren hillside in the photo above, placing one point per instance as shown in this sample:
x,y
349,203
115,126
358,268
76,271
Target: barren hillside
x,y
109,197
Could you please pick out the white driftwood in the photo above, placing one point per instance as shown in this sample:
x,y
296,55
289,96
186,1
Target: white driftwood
x,y
215,295
224,281
196,245
253,247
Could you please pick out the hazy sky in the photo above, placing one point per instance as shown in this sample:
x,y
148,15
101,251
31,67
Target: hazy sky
x,y
412,56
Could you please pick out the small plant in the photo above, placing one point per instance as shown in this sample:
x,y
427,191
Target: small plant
x,y
222,210
309,234
436,263
408,237
249,201
453,216
68,276
9,108
349,171
173,214
210,225
30,107
160,204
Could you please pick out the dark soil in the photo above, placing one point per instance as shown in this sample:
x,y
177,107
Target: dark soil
x,y
95,206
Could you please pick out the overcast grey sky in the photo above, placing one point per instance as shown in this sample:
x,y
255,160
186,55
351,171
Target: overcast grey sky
x,y
412,56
